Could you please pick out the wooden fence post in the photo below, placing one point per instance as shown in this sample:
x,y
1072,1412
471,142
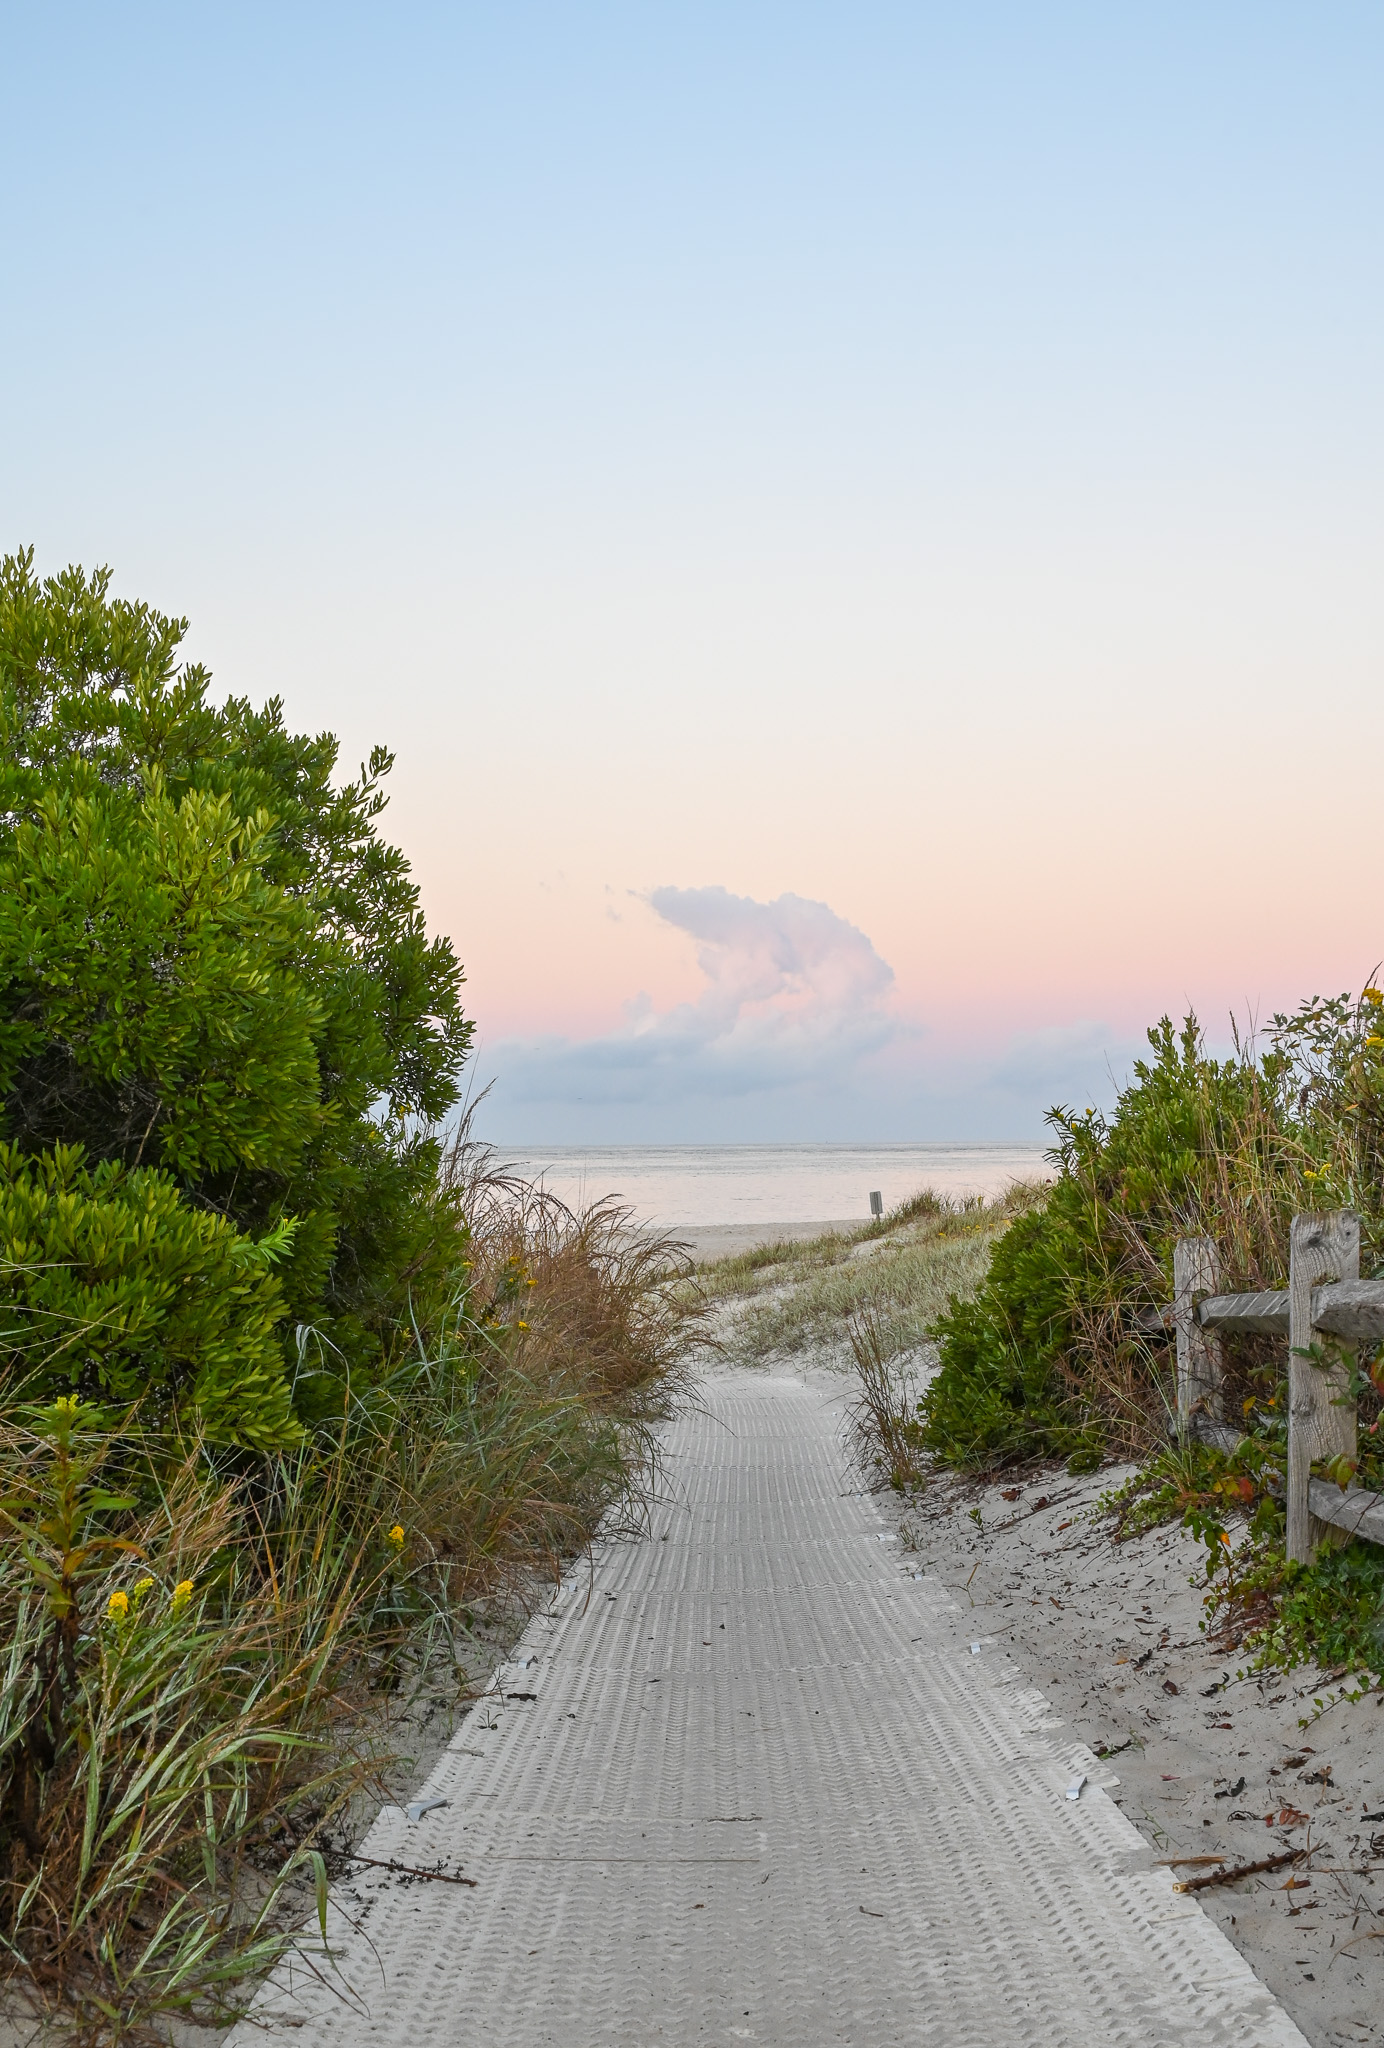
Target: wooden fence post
x,y
1196,1271
1321,1413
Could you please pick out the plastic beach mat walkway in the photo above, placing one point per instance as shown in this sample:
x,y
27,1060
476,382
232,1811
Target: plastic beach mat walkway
x,y
748,1780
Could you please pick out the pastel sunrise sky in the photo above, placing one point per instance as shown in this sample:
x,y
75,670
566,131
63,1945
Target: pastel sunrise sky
x,y
861,522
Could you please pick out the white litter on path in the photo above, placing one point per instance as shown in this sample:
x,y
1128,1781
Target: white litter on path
x,y
753,1788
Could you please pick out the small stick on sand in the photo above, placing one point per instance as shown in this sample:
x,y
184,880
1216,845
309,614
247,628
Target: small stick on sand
x,y
1197,1884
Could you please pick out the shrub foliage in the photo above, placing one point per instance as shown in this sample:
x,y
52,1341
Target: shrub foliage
x,y
1061,1350
218,1004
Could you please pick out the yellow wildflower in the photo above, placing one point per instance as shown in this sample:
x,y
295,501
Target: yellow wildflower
x,y
523,1326
142,1586
118,1606
182,1593
396,1537
1372,995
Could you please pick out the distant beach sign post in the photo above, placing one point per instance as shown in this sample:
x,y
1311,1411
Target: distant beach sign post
x,y
876,1202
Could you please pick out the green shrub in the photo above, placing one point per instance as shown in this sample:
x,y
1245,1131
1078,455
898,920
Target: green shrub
x,y
117,1290
1329,1612
1066,1335
995,1396
1049,1357
155,1003
212,965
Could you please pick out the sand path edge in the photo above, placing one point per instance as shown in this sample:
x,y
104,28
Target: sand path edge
x,y
745,1780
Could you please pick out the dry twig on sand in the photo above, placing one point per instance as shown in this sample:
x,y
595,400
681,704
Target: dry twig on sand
x,y
1238,1870
411,1870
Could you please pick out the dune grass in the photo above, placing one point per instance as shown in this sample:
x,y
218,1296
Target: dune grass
x,y
899,1272
198,1645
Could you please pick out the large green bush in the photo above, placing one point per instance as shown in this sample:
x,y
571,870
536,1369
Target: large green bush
x,y
1053,1353
212,965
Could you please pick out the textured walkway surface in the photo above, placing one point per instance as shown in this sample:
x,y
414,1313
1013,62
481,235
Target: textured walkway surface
x,y
756,1785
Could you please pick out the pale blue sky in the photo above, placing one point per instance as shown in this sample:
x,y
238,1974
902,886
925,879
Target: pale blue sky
x,y
856,454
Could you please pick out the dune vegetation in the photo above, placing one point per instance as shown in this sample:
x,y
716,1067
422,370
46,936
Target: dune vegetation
x,y
1054,1346
868,1298
899,1272
295,1390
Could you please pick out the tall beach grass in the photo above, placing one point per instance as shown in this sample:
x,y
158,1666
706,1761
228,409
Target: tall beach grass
x,y
198,1645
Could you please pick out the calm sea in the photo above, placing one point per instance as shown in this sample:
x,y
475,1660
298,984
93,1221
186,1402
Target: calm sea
x,y
685,1185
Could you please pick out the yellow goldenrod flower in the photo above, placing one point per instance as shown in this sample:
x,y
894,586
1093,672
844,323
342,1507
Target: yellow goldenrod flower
x,y
523,1326
117,1607
142,1587
396,1537
1309,1174
1372,995
182,1593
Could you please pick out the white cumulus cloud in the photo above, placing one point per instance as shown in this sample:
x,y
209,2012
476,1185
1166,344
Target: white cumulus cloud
x,y
793,994
794,1034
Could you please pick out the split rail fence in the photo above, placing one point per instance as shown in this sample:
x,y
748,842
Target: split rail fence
x,y
1325,1299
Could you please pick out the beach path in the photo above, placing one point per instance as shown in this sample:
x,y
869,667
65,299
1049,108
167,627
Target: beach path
x,y
758,1786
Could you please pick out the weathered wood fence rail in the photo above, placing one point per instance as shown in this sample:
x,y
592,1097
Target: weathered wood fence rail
x,y
1325,1298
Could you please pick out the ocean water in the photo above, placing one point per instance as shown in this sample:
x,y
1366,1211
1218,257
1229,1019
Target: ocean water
x,y
701,1185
